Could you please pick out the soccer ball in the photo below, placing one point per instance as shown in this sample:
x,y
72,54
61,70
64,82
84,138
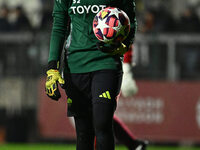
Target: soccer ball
x,y
111,25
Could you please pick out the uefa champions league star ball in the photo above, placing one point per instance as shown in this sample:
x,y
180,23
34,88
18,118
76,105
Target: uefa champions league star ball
x,y
111,25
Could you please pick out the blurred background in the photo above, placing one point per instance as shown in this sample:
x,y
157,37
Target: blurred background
x,y
167,53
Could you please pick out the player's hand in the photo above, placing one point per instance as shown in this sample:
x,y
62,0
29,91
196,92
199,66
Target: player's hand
x,y
122,49
129,87
51,86
112,49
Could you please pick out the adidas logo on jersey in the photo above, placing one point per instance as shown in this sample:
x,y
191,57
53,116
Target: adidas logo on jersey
x,y
105,95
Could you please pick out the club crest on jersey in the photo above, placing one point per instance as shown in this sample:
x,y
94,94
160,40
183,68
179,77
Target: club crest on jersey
x,y
81,9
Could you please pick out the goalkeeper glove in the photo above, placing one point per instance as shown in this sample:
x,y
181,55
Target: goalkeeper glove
x,y
51,86
129,87
112,49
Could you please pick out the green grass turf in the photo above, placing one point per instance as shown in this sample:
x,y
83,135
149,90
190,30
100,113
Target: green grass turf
x,y
72,147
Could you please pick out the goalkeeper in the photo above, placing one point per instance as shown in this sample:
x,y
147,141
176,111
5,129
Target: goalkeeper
x,y
92,78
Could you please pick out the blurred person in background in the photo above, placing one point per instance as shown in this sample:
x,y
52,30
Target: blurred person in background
x,y
189,55
148,22
46,22
189,21
158,21
4,23
32,9
128,89
18,20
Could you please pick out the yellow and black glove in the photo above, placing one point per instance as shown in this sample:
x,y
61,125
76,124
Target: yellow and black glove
x,y
51,86
112,49
122,49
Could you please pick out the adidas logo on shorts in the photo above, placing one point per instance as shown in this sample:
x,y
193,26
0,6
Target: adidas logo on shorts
x,y
105,95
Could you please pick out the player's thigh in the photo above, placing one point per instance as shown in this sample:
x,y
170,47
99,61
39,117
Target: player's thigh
x,y
78,91
106,86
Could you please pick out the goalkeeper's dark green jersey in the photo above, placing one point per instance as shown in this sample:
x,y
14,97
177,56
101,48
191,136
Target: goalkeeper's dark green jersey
x,y
83,55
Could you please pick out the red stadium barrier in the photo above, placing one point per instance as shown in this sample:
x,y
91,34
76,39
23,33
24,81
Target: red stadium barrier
x,y
163,111
160,112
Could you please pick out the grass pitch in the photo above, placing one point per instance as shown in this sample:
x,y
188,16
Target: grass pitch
x,y
72,147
